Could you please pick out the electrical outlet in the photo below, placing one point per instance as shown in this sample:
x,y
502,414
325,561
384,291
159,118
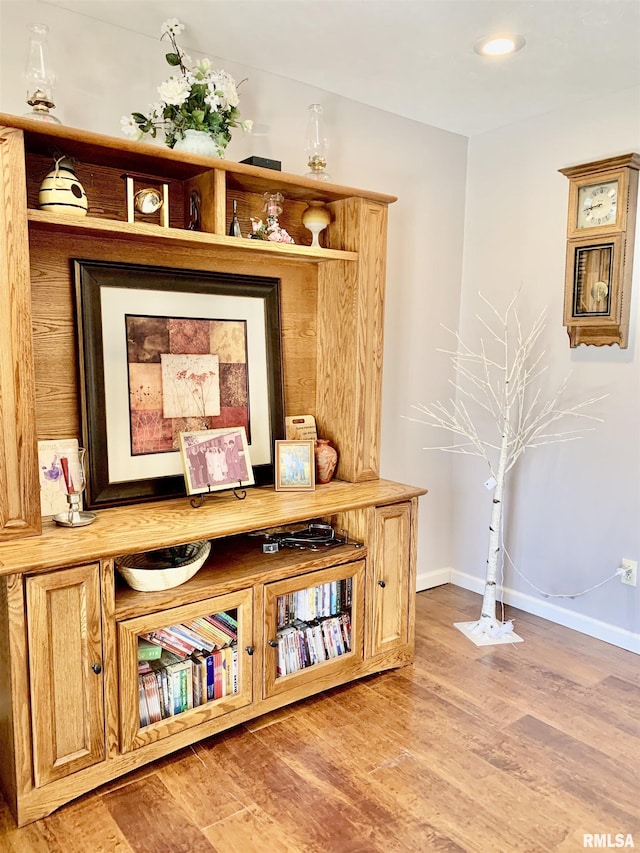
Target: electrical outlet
x,y
629,570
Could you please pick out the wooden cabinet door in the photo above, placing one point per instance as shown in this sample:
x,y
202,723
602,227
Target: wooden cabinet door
x,y
65,663
134,732
304,602
390,594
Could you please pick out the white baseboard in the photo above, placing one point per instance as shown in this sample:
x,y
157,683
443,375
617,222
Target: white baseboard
x,y
427,580
554,613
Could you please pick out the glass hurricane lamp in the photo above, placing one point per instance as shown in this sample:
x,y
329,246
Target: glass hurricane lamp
x,y
317,145
39,76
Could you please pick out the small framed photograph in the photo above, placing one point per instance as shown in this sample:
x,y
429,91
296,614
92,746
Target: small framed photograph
x,y
53,491
215,459
295,466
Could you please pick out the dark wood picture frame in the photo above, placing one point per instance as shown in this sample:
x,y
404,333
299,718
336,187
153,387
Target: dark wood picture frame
x,y
91,279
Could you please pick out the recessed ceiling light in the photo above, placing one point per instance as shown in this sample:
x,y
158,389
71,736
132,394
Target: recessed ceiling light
x,y
499,45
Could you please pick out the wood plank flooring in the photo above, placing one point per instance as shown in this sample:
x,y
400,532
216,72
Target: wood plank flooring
x,y
506,749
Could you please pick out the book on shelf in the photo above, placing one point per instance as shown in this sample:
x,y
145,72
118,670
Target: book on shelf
x,y
152,695
142,699
148,650
189,636
167,641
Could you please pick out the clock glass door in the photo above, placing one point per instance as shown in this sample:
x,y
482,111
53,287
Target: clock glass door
x,y
592,283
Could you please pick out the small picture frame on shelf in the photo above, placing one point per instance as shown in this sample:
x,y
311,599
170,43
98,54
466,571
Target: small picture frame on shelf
x,y
53,490
215,459
295,466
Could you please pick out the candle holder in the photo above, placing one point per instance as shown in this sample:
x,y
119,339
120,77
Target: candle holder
x,y
75,483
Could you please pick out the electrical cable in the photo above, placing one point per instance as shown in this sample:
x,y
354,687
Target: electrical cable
x,y
533,586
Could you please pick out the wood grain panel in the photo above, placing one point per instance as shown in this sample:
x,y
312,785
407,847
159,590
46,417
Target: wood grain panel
x,y
65,641
19,486
350,335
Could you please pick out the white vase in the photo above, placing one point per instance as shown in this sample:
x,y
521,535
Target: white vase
x,y
199,142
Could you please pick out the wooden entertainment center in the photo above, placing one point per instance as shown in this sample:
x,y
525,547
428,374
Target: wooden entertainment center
x,y
69,625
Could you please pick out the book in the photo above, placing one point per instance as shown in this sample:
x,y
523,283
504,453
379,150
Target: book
x,y
217,674
222,636
188,635
222,625
199,672
148,650
167,642
144,708
210,677
152,695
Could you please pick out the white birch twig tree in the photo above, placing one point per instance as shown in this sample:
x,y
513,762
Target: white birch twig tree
x,y
501,387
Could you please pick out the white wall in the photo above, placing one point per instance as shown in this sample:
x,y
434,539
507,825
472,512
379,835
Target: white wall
x,y
105,72
573,510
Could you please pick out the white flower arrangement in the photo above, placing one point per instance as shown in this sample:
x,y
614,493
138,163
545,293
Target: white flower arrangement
x,y
198,98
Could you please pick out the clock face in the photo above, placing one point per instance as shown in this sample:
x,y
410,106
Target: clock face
x,y
597,204
593,281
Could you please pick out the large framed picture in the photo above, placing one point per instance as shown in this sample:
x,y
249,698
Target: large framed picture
x,y
215,459
165,351
295,466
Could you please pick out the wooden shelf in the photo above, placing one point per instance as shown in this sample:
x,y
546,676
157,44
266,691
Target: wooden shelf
x,y
138,231
233,563
149,157
143,527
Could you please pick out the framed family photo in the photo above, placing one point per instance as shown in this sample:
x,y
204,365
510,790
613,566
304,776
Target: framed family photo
x,y
215,459
168,351
295,466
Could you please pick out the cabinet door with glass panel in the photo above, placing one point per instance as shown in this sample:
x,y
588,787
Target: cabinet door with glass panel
x,y
313,627
183,666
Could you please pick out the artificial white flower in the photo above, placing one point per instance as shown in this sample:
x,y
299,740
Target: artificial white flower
x,y
130,128
174,91
247,125
172,27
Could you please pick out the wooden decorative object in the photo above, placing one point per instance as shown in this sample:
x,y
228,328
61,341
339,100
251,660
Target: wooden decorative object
x,y
603,197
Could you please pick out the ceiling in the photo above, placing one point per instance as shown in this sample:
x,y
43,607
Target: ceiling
x,y
412,57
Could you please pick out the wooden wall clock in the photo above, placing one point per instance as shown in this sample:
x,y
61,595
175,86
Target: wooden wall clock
x,y
603,197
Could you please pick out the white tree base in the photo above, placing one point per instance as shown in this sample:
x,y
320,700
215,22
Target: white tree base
x,y
482,638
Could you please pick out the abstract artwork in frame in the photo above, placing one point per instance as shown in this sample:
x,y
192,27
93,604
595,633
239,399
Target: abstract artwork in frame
x,y
166,351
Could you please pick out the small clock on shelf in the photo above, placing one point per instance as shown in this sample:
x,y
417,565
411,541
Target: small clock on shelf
x,y
603,197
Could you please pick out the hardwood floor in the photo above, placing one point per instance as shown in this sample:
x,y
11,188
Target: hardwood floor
x,y
506,749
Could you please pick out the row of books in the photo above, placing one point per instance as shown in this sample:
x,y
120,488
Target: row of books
x,y
301,645
204,633
315,602
186,665
172,684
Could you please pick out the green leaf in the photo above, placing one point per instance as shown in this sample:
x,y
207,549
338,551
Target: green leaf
x,y
173,59
138,118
